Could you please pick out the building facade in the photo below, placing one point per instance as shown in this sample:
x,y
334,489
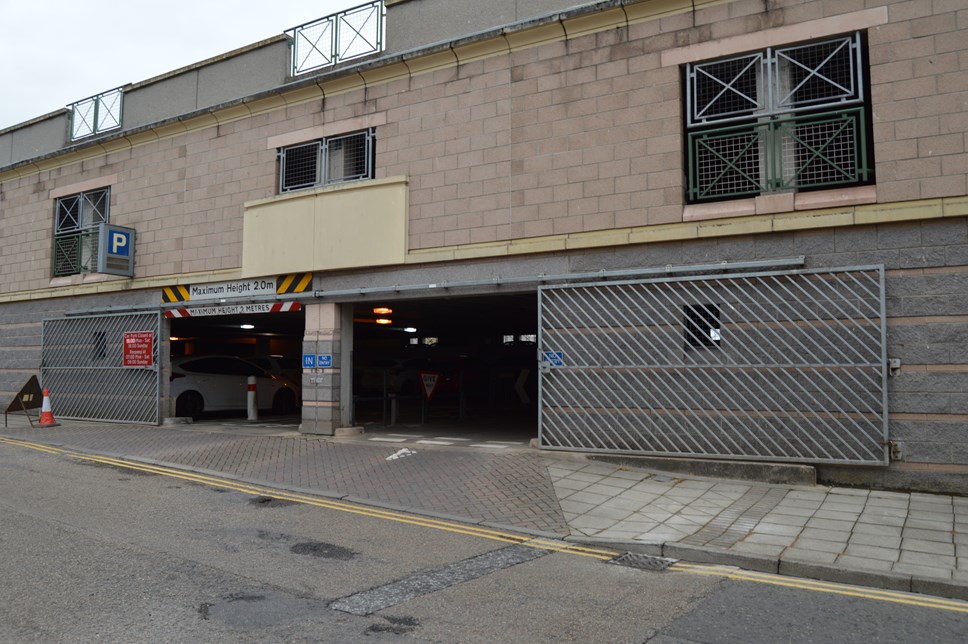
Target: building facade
x,y
723,229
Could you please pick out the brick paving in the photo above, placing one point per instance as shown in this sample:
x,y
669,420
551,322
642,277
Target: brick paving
x,y
506,488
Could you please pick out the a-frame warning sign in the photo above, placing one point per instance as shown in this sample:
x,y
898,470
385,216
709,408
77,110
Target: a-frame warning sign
x,y
30,397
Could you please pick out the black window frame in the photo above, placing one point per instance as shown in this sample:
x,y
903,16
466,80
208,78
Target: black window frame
x,y
312,164
738,144
77,218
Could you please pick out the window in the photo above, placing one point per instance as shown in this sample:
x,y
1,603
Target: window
x,y
334,159
784,119
76,220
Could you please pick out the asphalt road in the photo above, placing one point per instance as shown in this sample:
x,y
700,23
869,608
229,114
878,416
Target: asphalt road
x,y
95,552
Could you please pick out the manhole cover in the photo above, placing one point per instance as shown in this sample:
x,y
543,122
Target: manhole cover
x,y
642,562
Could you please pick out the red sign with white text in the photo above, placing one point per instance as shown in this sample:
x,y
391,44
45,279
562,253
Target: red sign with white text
x,y
139,348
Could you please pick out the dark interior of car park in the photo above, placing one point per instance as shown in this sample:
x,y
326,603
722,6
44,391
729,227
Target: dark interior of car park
x,y
475,355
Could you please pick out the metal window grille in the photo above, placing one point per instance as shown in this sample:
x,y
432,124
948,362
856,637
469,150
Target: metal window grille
x,y
300,166
815,151
96,114
755,123
333,160
775,81
341,36
75,231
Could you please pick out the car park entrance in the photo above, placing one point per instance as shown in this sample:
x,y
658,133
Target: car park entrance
x,y
460,363
213,356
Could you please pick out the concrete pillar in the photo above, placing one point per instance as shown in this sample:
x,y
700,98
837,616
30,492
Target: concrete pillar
x,y
321,386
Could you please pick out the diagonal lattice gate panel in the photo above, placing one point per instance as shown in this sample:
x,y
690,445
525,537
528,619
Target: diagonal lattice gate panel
x,y
786,365
83,366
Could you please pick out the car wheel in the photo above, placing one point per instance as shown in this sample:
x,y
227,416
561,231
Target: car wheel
x,y
284,402
189,404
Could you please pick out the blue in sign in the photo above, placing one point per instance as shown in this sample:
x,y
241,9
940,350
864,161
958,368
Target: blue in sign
x,y
556,358
309,361
324,361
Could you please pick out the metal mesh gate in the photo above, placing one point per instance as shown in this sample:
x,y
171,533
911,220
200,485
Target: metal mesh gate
x,y
83,367
785,365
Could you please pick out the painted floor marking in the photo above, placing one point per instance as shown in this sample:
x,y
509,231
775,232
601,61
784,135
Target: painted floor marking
x,y
388,440
407,435
893,596
451,438
489,446
427,441
424,583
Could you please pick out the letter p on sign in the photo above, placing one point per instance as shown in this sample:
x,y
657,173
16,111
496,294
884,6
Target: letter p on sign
x,y
120,243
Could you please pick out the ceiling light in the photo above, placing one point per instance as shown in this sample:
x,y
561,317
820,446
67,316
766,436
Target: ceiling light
x,y
382,310
247,326
384,321
411,329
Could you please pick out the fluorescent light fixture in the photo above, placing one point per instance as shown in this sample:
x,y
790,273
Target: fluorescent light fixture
x,y
384,321
247,326
411,329
383,310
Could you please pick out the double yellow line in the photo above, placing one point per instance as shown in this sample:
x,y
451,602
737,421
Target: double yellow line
x,y
909,599
895,597
255,490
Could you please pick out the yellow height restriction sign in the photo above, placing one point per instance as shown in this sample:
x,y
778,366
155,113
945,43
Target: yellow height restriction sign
x,y
237,289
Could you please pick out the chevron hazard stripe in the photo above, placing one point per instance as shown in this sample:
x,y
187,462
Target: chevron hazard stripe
x,y
294,283
174,294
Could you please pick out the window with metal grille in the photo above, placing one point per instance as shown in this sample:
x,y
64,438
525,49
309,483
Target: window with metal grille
x,y
76,220
335,159
781,119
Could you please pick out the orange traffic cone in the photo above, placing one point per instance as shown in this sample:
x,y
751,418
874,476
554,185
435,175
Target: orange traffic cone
x,y
46,415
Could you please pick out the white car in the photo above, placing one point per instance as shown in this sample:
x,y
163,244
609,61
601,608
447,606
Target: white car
x,y
201,384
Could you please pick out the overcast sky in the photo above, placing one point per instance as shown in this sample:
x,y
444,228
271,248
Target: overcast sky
x,y
55,52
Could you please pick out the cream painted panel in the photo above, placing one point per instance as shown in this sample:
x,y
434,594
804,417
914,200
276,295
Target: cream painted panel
x,y
278,237
357,225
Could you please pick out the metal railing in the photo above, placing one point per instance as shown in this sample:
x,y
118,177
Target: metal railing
x,y
75,252
814,151
782,366
96,114
342,36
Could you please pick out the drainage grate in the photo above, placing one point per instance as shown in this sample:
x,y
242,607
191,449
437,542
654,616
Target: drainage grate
x,y
642,562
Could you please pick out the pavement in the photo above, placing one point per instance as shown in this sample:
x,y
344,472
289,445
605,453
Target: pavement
x,y
893,540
